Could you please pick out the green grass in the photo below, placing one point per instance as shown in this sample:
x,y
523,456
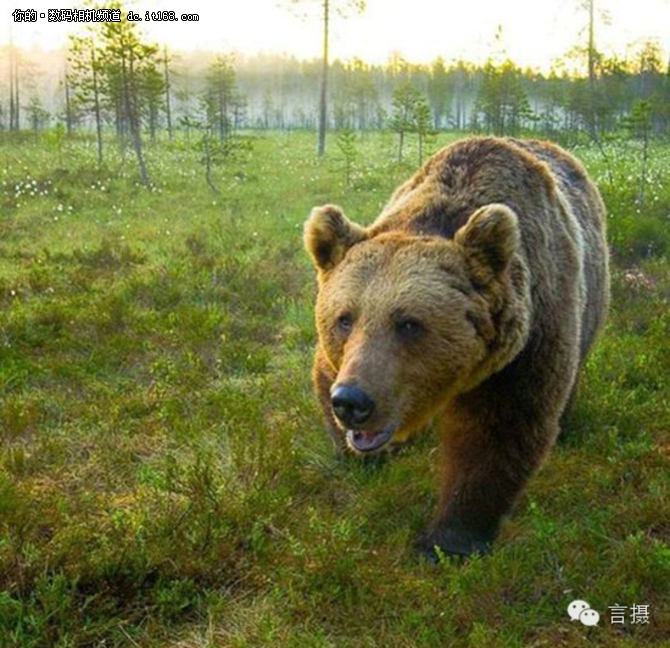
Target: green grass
x,y
164,476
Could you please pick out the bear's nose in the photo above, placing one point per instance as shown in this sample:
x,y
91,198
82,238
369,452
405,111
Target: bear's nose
x,y
351,404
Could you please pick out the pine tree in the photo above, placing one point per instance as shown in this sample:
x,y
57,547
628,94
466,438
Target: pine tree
x,y
639,127
403,118
438,91
502,101
151,84
423,123
84,75
346,144
38,117
220,91
125,61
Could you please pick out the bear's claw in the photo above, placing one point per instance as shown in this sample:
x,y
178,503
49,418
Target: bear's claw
x,y
454,542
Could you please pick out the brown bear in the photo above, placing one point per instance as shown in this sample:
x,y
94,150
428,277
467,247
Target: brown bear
x,y
471,301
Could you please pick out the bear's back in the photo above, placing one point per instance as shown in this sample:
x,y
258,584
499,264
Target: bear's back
x,y
469,174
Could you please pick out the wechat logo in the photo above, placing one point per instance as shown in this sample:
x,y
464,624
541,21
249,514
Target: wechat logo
x,y
582,610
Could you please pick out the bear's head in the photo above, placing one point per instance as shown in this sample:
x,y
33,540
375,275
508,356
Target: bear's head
x,y
407,322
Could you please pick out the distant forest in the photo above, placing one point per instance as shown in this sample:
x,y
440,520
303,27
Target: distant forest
x,y
174,91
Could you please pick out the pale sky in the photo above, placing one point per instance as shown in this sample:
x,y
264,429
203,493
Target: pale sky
x,y
535,31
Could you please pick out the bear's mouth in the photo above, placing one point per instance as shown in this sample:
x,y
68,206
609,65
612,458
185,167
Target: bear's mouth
x,y
367,440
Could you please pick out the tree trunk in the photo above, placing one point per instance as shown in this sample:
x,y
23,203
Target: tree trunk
x,y
208,160
131,110
221,116
14,102
120,106
168,111
17,108
152,122
13,99
11,85
323,105
645,161
96,104
68,107
592,72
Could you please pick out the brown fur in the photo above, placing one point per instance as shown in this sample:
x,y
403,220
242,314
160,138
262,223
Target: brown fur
x,y
496,247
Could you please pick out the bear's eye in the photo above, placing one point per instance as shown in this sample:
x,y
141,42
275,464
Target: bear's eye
x,y
345,323
409,328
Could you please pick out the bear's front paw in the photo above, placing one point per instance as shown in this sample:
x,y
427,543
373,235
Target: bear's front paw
x,y
454,541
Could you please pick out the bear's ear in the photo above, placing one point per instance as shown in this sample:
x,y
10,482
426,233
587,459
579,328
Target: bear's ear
x,y
329,234
488,240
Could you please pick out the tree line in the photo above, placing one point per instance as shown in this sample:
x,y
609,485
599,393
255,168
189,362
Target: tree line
x,y
112,79
281,92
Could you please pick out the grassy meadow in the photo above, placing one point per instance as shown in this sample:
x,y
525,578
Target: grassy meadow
x,y
165,479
